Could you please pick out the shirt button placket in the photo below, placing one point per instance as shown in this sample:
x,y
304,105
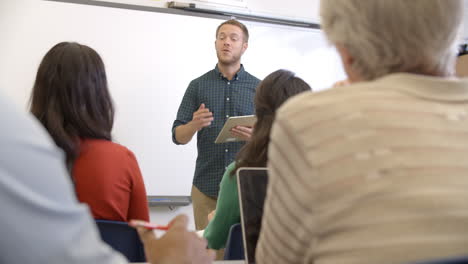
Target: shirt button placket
x,y
227,101
228,114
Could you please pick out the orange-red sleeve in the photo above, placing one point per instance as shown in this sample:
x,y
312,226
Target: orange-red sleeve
x,y
138,208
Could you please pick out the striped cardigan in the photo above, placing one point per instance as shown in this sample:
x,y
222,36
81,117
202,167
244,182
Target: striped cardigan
x,y
375,172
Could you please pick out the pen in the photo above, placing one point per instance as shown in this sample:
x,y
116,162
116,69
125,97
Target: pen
x,y
148,225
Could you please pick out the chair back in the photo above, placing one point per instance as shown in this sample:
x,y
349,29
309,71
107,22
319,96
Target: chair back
x,y
123,238
234,245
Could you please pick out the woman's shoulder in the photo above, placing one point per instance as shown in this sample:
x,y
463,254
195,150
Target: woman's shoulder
x,y
100,147
228,178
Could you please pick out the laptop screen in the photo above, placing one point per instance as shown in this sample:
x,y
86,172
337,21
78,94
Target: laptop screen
x,y
252,184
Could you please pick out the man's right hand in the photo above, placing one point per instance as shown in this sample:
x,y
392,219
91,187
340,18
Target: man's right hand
x,y
201,118
177,246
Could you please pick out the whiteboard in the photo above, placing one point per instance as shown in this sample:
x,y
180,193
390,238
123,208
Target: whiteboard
x,y
150,59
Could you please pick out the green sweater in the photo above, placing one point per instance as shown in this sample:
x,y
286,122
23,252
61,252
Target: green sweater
x,y
227,211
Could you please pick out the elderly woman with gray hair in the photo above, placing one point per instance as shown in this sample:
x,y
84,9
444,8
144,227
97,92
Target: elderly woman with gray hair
x,y
375,171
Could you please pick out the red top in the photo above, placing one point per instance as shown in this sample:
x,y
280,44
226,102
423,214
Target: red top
x,y
108,179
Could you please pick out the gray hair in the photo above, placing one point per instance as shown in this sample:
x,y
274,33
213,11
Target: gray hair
x,y
387,36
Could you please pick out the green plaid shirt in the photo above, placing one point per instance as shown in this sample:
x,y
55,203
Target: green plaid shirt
x,y
224,98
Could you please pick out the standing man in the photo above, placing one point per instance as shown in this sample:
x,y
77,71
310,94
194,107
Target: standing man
x,y
227,90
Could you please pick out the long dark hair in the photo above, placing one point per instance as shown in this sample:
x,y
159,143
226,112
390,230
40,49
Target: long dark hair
x,y
70,97
271,93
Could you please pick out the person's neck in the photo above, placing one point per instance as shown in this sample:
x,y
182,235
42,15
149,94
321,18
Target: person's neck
x,y
229,70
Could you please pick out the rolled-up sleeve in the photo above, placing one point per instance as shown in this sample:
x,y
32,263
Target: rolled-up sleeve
x,y
186,108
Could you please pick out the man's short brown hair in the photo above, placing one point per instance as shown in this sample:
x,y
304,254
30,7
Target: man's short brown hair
x,y
235,22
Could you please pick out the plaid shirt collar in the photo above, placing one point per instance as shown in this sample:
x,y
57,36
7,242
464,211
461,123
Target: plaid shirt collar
x,y
239,75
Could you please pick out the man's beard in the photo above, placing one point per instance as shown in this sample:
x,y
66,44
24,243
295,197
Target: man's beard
x,y
231,61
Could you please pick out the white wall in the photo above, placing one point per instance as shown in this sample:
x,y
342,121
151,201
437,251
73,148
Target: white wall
x,y
465,21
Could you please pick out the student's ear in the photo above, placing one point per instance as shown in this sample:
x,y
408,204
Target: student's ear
x,y
245,45
348,60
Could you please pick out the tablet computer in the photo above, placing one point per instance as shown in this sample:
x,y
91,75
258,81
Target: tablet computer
x,y
225,133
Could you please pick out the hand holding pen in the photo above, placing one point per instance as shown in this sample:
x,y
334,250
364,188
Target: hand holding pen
x,y
147,225
177,245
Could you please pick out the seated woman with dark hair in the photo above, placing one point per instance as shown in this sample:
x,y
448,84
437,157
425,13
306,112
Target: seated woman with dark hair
x,y
71,99
271,93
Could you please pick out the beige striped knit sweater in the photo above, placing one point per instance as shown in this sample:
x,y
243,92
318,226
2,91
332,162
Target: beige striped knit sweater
x,y
376,172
